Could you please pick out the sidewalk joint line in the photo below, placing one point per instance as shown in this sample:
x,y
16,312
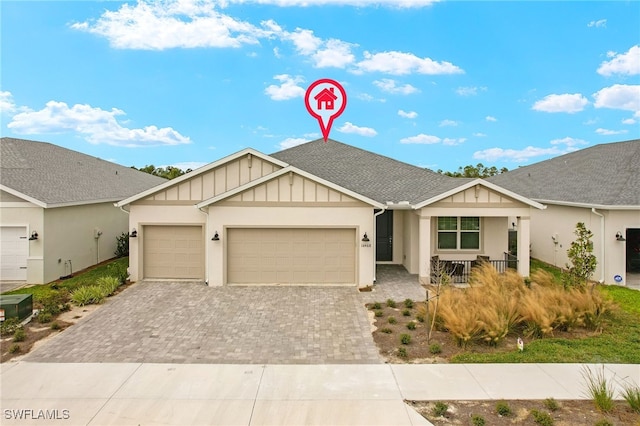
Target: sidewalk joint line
x,y
140,364
255,399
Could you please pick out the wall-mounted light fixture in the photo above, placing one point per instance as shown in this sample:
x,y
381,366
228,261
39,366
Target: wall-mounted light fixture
x,y
216,237
619,236
34,236
365,238
133,233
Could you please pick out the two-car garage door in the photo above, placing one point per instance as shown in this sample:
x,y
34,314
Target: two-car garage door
x,y
291,256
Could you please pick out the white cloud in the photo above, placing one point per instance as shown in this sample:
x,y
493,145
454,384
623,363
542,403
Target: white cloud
x,y
601,23
629,121
453,141
480,135
607,132
289,88
407,114
291,142
569,103
7,105
390,86
276,53
362,131
500,154
97,125
368,98
470,91
490,118
305,42
421,139
152,25
448,123
569,142
623,63
401,63
619,96
336,54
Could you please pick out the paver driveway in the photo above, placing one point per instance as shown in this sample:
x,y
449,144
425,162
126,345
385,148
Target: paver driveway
x,y
180,322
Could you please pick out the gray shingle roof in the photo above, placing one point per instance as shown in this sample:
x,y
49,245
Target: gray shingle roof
x,y
606,174
375,176
55,175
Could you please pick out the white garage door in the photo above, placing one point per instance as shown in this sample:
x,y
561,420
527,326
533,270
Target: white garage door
x,y
173,252
15,249
291,256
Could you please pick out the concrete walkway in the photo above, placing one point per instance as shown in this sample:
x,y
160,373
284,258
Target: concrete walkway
x,y
231,394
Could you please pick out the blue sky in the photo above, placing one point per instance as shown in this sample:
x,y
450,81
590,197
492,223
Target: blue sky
x,y
434,84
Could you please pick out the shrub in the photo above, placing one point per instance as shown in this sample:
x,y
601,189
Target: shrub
x,y
44,317
402,352
604,422
108,284
551,404
379,313
598,389
405,339
15,348
392,320
391,303
408,303
19,335
88,295
477,420
631,394
55,326
376,306
411,325
122,245
386,330
439,409
118,270
542,418
503,409
420,317
9,326
406,312
435,349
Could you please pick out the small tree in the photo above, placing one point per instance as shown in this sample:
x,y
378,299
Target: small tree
x,y
583,261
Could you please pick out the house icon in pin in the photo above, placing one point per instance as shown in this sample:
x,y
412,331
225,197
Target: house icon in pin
x,y
326,97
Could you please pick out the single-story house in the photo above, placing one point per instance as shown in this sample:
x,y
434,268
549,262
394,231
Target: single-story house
x,y
56,209
319,213
599,186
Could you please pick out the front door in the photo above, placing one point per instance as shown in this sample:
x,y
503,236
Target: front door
x,y
384,237
633,250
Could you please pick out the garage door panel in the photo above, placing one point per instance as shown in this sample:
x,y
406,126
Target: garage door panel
x,y
294,256
15,251
173,252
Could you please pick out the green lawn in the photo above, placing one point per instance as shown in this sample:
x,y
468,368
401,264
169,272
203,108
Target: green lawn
x,y
619,342
88,277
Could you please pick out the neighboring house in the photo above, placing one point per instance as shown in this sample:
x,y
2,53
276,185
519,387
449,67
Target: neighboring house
x,y
318,213
599,186
56,209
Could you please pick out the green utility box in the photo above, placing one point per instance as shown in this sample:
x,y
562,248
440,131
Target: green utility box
x,y
16,305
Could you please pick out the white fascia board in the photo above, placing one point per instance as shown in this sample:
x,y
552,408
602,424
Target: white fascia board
x,y
588,205
23,196
486,184
284,171
198,171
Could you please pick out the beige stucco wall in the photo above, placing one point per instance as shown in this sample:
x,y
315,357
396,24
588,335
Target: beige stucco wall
x,y
17,212
223,217
552,231
410,241
70,234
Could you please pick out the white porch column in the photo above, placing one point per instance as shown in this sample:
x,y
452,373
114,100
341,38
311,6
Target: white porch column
x,y
524,240
424,249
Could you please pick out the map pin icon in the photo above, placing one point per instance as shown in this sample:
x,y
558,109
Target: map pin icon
x,y
325,100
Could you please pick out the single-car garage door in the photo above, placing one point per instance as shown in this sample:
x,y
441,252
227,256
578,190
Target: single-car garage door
x,y
173,252
291,256
15,250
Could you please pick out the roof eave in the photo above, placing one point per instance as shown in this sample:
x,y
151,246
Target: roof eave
x,y
589,205
25,197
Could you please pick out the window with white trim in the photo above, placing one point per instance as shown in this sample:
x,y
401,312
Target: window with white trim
x,y
458,233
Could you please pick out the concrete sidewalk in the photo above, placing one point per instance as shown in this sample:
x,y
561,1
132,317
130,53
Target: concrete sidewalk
x,y
231,394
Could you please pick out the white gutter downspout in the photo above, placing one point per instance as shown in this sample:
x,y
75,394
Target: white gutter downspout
x,y
206,248
375,248
593,210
